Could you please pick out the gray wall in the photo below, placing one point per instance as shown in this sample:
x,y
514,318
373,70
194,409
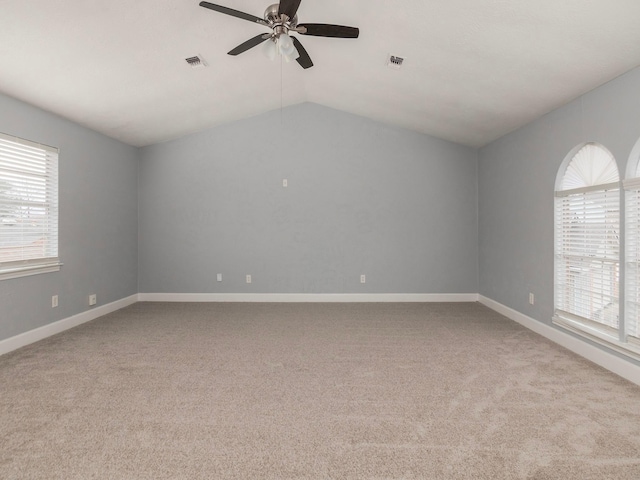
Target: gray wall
x,y
363,198
516,181
98,222
414,213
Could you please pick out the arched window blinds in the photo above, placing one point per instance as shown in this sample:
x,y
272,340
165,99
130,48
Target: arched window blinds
x,y
592,166
587,241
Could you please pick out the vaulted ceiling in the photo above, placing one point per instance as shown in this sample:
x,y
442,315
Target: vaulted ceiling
x,y
473,69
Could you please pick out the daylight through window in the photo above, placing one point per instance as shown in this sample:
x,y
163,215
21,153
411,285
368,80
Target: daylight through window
x,y
587,242
587,251
632,250
28,208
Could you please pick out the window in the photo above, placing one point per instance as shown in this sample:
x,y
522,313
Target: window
x,y
632,253
587,251
28,208
587,245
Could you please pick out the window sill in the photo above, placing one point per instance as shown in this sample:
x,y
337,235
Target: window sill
x,y
24,271
600,337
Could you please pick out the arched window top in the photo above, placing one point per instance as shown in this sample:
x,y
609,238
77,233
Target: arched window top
x,y
633,165
592,165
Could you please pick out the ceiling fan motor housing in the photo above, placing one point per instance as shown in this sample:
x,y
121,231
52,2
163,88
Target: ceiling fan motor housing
x,y
274,19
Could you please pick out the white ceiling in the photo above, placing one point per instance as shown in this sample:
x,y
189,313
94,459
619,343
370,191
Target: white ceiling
x,y
474,69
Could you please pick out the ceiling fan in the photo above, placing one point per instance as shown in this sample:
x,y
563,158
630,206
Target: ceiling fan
x,y
281,18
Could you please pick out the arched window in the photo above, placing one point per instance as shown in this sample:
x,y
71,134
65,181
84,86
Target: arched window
x,y
587,242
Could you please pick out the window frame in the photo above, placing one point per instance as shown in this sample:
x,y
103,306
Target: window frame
x,y
13,163
598,332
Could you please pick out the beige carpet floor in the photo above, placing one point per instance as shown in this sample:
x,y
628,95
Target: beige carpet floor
x,y
288,391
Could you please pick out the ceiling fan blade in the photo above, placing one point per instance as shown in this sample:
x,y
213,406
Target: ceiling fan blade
x,y
304,59
289,7
252,42
233,13
325,30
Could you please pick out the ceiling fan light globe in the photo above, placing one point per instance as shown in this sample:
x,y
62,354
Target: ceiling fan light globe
x,y
290,56
270,49
293,55
288,53
284,42
287,50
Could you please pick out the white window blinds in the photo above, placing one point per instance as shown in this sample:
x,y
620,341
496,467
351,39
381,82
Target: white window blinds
x,y
587,254
587,240
28,207
632,252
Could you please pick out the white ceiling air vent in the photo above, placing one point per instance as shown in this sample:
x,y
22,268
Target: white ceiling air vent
x,y
196,62
394,62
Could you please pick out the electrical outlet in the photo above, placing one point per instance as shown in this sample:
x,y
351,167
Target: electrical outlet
x,y
285,183
363,279
54,301
93,299
219,277
248,278
531,299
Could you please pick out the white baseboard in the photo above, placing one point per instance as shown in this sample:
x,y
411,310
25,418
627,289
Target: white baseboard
x,y
600,357
37,334
308,297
